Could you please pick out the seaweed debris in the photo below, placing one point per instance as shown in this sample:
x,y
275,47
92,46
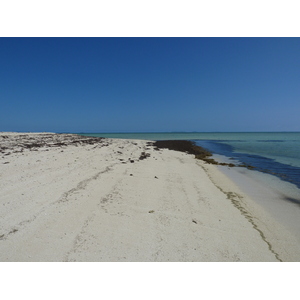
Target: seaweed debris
x,y
18,143
190,148
144,155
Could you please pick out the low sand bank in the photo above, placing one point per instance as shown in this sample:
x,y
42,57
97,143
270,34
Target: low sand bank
x,y
72,198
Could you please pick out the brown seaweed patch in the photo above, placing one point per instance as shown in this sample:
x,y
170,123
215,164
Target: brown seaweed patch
x,y
247,166
190,148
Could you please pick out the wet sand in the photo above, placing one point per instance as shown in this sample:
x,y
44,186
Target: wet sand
x,y
72,198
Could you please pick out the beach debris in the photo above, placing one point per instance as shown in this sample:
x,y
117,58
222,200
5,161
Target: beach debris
x,y
131,174
151,211
22,142
189,147
144,155
249,167
156,177
194,221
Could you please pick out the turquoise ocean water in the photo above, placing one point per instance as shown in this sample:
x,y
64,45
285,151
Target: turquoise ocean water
x,y
277,153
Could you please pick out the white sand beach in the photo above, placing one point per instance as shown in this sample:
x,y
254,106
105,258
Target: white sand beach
x,y
67,198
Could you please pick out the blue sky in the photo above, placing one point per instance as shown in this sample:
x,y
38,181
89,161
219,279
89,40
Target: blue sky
x,y
149,84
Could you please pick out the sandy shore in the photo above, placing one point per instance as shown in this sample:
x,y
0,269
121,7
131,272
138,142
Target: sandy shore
x,y
72,198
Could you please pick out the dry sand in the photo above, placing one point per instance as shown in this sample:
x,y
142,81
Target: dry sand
x,y
71,198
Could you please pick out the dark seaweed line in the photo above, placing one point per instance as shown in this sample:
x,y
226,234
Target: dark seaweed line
x,y
234,198
191,148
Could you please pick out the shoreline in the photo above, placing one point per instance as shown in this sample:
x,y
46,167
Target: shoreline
x,y
77,198
279,198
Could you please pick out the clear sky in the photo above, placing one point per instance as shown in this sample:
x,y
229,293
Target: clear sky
x,y
149,84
